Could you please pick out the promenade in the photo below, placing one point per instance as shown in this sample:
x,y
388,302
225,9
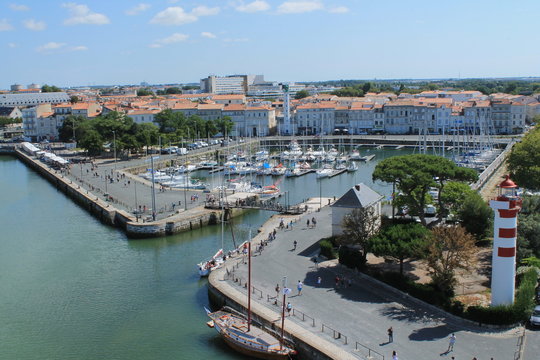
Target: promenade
x,y
360,314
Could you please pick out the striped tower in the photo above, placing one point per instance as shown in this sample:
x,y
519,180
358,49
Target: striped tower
x,y
506,207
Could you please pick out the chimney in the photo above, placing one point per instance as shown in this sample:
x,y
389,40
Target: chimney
x,y
357,187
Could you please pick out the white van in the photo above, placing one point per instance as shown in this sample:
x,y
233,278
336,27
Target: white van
x,y
181,151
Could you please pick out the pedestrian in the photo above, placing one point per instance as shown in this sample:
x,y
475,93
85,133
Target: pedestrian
x,y
290,224
277,290
390,334
319,280
316,261
337,281
295,243
289,308
394,355
275,234
308,223
451,343
299,286
314,222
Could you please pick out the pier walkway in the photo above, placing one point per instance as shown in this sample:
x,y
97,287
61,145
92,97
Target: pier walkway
x,y
356,317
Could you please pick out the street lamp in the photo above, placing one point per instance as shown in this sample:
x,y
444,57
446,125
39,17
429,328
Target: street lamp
x,y
114,143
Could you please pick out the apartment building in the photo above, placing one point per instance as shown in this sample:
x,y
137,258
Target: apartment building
x,y
314,118
508,117
39,122
232,84
33,99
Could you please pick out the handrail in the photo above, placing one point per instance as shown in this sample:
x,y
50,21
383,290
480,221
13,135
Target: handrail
x,y
369,356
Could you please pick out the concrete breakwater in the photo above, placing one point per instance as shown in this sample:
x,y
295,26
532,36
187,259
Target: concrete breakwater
x,y
110,215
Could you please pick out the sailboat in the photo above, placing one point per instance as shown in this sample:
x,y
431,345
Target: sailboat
x,y
243,336
215,261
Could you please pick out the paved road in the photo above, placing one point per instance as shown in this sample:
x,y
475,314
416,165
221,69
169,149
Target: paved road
x,y
364,311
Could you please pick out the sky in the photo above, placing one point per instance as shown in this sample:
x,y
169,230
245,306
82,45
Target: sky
x,y
108,42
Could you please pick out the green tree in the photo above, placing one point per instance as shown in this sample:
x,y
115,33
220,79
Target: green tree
x,y
92,142
400,241
225,125
147,134
173,90
46,88
358,228
450,248
4,121
301,94
69,131
414,175
366,87
524,161
475,216
453,197
74,99
144,92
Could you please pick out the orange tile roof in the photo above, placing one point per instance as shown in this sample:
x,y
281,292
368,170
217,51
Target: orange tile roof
x,y
210,106
235,107
228,97
185,106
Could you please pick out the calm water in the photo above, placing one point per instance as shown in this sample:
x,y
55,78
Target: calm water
x,y
72,288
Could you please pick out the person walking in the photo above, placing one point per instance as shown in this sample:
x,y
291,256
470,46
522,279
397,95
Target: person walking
x,y
337,281
277,290
299,286
314,222
307,222
295,243
289,308
390,334
394,355
319,280
451,343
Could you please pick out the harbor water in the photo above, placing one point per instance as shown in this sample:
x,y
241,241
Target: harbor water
x,y
73,288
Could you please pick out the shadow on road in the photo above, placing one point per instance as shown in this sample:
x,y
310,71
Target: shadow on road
x,y
411,315
431,333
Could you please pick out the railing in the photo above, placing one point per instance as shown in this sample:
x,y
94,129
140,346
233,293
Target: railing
x,y
486,174
369,351
335,334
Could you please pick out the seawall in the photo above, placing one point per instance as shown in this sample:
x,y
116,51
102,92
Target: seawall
x,y
110,215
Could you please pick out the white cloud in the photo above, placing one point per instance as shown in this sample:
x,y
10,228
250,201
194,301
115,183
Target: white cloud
x,y
174,15
79,48
50,46
339,10
205,11
81,14
296,7
174,38
18,7
34,25
12,45
138,9
5,25
255,6
208,35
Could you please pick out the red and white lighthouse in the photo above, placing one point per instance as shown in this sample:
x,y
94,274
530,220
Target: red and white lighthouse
x,y
506,207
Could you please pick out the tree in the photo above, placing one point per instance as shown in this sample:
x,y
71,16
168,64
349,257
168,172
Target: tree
x,y
524,161
147,134
453,197
68,131
358,228
366,87
450,248
400,241
414,175
225,125
144,92
475,215
4,121
92,142
74,99
301,94
173,90
46,88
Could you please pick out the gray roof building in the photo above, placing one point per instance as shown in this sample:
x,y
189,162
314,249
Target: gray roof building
x,y
33,99
359,196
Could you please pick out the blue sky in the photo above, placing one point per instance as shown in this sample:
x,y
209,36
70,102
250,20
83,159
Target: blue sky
x,y
126,42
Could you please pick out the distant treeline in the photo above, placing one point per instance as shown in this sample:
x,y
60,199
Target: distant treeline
x,y
486,86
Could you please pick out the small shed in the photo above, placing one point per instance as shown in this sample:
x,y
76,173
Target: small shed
x,y
358,197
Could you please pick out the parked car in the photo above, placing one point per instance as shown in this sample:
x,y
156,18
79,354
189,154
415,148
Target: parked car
x,y
182,151
430,211
534,320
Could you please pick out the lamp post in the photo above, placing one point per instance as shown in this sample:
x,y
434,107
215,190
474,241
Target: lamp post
x,y
320,194
114,144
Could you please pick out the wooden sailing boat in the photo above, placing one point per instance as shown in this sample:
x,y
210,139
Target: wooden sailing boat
x,y
241,335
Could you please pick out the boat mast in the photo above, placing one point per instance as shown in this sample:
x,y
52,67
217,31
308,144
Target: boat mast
x,y
249,281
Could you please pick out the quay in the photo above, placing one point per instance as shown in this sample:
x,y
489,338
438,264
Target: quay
x,y
337,172
344,321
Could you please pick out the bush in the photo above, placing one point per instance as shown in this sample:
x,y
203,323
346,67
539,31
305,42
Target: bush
x,y
351,258
507,315
327,248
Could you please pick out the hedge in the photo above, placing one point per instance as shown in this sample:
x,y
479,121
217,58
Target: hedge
x,y
327,248
351,258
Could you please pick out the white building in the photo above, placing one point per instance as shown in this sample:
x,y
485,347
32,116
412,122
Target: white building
x,y
359,196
